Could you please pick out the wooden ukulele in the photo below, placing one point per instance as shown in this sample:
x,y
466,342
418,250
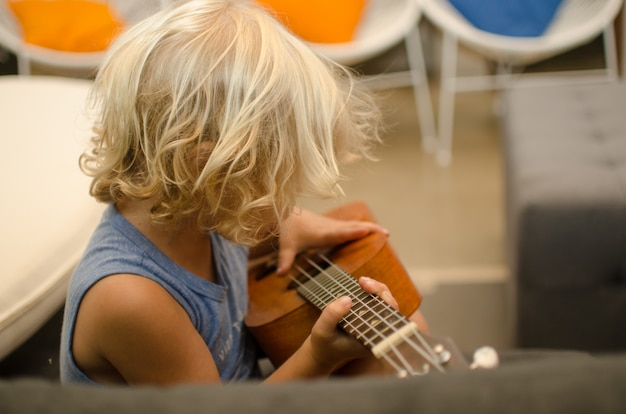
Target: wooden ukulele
x,y
284,309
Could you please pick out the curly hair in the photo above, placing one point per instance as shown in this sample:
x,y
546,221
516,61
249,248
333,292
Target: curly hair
x,y
213,109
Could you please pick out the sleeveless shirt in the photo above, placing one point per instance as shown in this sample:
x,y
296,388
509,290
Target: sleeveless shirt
x,y
217,310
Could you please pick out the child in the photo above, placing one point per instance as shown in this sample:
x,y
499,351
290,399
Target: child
x,y
212,120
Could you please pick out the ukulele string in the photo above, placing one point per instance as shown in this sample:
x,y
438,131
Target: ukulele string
x,y
319,298
406,365
421,347
432,359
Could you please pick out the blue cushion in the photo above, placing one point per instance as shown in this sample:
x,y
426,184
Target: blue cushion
x,y
522,18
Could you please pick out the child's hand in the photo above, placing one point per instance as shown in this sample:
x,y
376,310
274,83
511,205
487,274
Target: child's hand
x,y
305,230
331,347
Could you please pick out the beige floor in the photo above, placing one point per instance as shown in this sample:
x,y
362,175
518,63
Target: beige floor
x,y
440,218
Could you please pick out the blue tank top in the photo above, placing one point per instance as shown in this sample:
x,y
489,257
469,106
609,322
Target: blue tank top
x,y
217,310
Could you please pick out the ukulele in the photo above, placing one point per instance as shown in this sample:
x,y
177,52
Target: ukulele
x,y
283,309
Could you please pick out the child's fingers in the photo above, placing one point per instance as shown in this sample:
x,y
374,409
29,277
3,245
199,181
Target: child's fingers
x,y
377,288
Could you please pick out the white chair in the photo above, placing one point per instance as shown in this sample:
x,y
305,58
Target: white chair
x,y
62,62
576,22
385,24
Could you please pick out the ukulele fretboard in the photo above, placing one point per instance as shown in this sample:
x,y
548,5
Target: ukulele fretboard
x,y
371,320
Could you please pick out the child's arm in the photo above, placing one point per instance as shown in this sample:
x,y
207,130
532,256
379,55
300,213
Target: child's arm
x,y
129,329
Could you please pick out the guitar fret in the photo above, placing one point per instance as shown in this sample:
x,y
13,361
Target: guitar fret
x,y
326,287
371,321
373,330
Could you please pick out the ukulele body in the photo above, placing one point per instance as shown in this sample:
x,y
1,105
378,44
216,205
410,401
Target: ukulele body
x,y
280,319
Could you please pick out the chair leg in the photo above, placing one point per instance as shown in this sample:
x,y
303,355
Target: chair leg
x,y
447,90
421,89
23,64
610,53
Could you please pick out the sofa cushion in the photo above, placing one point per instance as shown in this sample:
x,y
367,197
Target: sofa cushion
x,y
566,155
565,152
320,21
553,384
67,25
523,18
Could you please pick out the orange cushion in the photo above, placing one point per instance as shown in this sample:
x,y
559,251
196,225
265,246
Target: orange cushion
x,y
68,25
319,21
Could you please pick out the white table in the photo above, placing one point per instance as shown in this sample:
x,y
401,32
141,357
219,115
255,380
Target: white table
x,y
46,213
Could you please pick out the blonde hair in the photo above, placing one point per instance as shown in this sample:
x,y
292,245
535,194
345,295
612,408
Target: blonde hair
x,y
216,111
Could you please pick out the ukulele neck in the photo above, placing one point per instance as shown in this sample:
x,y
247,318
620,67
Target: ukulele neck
x,y
371,320
390,336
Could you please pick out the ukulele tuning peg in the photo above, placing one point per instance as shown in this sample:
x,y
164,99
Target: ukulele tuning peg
x,y
443,354
485,357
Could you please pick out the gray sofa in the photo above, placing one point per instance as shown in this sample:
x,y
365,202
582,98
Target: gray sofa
x,y
565,158
526,383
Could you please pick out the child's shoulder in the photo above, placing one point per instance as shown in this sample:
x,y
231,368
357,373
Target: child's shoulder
x,y
121,295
